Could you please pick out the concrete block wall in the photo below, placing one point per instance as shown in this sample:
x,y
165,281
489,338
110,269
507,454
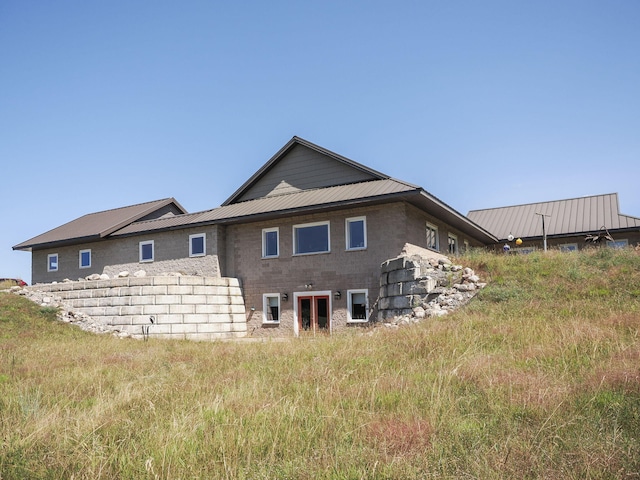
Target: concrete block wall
x,y
402,287
182,307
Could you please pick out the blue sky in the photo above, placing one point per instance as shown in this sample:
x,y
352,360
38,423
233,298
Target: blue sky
x,y
483,104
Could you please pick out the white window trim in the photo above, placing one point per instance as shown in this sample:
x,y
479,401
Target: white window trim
x,y
349,305
265,307
456,245
153,251
88,250
431,226
49,257
264,242
204,245
313,224
348,232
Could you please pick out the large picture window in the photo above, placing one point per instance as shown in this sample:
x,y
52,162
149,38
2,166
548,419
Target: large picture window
x,y
432,237
197,245
311,238
146,251
356,233
270,246
271,308
52,262
357,305
85,258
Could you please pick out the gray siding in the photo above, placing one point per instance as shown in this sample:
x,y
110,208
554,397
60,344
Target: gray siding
x,y
303,169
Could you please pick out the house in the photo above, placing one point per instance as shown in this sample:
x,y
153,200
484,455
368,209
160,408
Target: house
x,y
305,236
568,224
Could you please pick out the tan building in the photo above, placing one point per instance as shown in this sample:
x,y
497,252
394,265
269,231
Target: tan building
x,y
305,235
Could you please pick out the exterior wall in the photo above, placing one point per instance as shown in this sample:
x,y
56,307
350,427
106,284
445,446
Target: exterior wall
x,y
112,256
193,308
339,270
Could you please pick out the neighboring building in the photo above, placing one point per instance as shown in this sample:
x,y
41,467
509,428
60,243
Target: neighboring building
x,y
569,224
305,235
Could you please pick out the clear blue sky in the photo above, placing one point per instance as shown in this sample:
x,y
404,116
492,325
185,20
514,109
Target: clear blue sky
x,y
482,103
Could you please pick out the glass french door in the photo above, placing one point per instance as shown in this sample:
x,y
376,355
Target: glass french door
x,y
313,314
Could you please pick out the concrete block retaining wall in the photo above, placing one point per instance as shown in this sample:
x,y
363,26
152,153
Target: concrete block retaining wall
x,y
402,287
184,307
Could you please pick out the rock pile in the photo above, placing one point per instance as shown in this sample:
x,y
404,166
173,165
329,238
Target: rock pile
x,y
66,314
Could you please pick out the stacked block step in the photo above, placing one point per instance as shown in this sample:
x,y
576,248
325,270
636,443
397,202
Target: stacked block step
x,y
181,307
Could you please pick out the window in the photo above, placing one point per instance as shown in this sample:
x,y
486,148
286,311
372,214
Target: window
x,y
311,238
85,258
568,247
432,237
270,246
618,243
356,233
271,308
357,305
52,262
197,245
146,251
466,246
452,240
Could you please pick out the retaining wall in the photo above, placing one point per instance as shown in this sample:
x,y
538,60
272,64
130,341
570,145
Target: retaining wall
x,y
185,307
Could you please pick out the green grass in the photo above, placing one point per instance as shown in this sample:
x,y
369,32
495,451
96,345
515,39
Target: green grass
x,y
538,377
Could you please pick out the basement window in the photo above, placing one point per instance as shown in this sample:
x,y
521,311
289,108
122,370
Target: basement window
x,y
85,258
52,262
271,308
311,238
146,251
197,245
357,305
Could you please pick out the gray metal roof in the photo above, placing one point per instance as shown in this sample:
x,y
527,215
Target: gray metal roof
x,y
308,199
574,216
97,225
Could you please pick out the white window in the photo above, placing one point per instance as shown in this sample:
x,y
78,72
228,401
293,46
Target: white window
x,y
568,247
356,233
452,240
146,251
85,258
271,308
357,305
197,245
618,243
432,237
466,246
270,243
311,238
52,262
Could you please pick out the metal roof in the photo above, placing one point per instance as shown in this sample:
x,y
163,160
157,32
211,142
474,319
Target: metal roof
x,y
306,200
574,216
96,225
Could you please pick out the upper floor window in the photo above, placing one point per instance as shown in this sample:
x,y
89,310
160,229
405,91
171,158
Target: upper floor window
x,y
197,245
52,262
85,258
270,247
453,244
357,305
311,238
432,237
356,233
146,251
271,308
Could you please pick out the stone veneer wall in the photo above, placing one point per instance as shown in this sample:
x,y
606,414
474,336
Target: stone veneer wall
x,y
182,307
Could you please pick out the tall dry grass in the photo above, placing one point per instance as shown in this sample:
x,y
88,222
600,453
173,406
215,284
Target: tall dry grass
x,y
538,377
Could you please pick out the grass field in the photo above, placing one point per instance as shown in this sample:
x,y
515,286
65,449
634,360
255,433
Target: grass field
x,y
538,377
